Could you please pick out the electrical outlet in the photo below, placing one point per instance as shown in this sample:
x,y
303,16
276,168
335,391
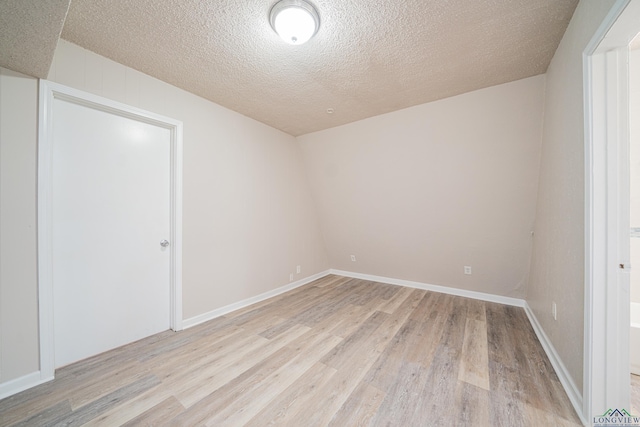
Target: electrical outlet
x,y
554,311
298,270
467,269
291,277
353,258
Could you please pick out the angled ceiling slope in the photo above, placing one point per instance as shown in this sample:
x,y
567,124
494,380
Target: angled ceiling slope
x,y
29,33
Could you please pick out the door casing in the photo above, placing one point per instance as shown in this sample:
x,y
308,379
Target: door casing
x,y
48,92
606,305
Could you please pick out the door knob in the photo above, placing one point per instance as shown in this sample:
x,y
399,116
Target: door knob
x,y
164,243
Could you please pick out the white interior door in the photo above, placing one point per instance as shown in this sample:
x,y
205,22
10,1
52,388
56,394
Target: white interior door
x,y
111,199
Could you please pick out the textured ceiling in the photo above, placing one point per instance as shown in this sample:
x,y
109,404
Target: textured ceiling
x,y
29,32
369,56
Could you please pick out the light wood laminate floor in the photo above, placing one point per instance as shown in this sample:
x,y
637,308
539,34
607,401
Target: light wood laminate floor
x,y
338,352
635,394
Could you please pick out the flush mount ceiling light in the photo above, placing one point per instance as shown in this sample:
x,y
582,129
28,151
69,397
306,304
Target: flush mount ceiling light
x,y
295,21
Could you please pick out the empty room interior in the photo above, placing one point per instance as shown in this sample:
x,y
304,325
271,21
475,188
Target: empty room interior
x,y
208,217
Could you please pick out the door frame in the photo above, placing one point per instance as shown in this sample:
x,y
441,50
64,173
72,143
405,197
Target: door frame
x,y
48,92
606,305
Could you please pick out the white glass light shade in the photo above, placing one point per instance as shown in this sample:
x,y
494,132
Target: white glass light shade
x,y
295,21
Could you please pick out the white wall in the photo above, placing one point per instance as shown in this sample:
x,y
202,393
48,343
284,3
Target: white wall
x,y
557,270
419,193
18,274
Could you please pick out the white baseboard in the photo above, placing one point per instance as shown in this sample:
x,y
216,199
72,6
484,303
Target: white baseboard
x,y
575,396
435,288
17,385
204,317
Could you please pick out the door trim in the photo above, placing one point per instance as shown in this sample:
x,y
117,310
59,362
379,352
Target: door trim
x,y
48,92
606,304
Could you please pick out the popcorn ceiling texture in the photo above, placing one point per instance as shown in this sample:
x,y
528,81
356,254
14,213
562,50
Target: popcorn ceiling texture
x,y
369,56
29,32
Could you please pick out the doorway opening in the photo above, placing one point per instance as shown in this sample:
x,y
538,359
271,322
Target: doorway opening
x,y
607,266
634,219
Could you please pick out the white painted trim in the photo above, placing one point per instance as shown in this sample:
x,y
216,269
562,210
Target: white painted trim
x,y
517,302
205,317
48,92
575,395
22,383
45,248
176,226
605,340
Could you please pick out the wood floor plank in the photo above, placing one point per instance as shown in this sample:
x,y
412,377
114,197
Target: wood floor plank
x,y
536,373
350,347
294,296
320,310
182,340
335,392
476,310
58,411
332,281
202,352
105,385
504,370
88,389
337,351
123,413
439,388
261,392
635,394
342,322
401,399
384,372
214,403
474,360
472,406
294,398
430,318
31,402
539,417
320,302
386,291
360,408
351,318
353,358
94,409
393,303
157,415
228,368
281,304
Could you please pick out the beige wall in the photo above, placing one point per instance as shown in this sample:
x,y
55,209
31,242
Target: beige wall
x,y
249,219
557,270
417,194
18,274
